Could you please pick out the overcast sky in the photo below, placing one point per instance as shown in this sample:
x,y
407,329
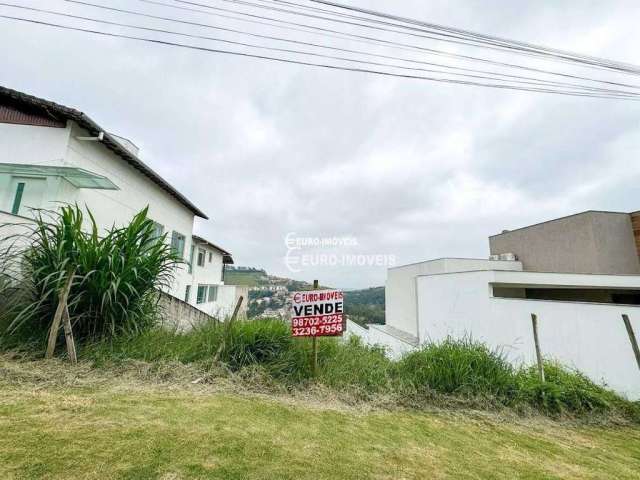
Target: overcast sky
x,y
411,169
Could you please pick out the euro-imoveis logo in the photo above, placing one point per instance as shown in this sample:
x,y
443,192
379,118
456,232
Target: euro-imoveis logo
x,y
297,259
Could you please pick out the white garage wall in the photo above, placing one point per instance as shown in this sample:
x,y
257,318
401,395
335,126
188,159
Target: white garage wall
x,y
400,291
586,336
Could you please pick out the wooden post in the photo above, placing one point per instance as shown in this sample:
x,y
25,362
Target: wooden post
x,y
237,309
227,328
534,322
68,335
63,296
632,338
314,344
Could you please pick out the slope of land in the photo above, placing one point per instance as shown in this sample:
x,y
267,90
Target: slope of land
x,y
61,422
269,295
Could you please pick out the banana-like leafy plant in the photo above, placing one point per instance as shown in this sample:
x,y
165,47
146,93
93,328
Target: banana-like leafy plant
x,y
115,276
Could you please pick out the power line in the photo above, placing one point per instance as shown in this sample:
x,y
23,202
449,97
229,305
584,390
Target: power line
x,y
480,36
328,66
484,41
474,74
367,39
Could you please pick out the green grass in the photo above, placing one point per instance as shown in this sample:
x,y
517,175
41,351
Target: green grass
x,y
107,427
449,374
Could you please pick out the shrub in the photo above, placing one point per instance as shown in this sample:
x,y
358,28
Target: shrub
x,y
114,278
458,367
565,392
245,343
442,372
351,364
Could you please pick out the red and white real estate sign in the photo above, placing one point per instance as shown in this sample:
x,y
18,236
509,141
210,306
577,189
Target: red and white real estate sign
x,y
317,313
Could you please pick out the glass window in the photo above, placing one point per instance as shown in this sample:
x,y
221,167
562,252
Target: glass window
x,y
190,263
210,256
177,243
17,200
158,229
187,294
202,294
201,256
213,293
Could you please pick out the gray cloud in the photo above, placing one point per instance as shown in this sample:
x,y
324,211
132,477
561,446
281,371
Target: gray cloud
x,y
412,169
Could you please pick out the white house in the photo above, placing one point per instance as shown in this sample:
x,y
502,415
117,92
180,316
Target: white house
x,y
565,272
51,154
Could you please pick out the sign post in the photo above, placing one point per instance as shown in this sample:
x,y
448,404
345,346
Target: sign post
x,y
314,343
317,313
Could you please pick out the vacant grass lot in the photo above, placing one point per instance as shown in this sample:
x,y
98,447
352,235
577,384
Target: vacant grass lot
x,y
96,426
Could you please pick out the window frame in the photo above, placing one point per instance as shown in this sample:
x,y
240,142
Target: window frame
x,y
212,292
178,240
17,198
203,252
200,299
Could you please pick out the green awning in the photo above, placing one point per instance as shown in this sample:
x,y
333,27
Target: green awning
x,y
78,177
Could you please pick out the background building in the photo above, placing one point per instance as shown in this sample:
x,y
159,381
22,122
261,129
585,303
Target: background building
x,y
577,274
52,155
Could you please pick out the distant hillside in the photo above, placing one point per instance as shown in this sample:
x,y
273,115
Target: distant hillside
x,y
251,278
362,306
365,306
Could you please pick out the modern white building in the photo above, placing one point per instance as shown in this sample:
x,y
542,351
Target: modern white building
x,y
577,296
52,155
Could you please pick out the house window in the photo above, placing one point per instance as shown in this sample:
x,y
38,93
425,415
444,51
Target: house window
x,y
213,293
177,243
202,294
187,294
210,256
190,263
17,200
201,256
158,230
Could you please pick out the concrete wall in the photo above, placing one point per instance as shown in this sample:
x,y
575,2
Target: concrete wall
x,y
375,335
179,315
589,242
228,296
400,291
589,337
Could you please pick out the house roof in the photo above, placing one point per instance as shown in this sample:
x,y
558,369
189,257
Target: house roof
x,y
60,112
227,258
606,212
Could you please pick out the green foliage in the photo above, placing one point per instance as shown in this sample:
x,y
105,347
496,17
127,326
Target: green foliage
x,y
114,277
267,343
459,367
356,366
566,391
365,306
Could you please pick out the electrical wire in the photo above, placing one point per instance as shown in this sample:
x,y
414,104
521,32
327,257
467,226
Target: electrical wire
x,y
485,43
474,74
328,66
367,39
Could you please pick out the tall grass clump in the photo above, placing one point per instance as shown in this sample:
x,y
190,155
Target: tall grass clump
x,y
264,343
569,392
457,367
351,364
114,277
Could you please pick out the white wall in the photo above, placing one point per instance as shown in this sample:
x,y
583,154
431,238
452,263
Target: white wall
x,y
33,145
586,336
376,335
59,147
400,291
